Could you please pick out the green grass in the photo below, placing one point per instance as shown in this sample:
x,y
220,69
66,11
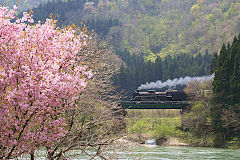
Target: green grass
x,y
156,127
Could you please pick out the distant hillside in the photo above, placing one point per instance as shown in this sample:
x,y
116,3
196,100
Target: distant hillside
x,y
177,26
155,27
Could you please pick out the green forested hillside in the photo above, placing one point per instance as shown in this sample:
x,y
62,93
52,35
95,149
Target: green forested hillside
x,y
156,27
178,26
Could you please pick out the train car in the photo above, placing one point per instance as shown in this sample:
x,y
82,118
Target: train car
x,y
153,95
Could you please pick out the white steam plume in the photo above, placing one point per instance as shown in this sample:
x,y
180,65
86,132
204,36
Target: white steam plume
x,y
173,83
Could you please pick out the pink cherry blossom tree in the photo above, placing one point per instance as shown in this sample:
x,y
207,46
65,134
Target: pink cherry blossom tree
x,y
39,81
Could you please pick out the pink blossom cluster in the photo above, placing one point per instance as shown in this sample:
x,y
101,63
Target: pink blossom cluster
x,y
39,81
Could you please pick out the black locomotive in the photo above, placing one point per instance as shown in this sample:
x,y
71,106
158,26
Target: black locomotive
x,y
153,95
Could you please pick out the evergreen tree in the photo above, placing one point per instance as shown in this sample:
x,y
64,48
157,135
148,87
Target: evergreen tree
x,y
226,86
158,69
221,79
235,80
214,63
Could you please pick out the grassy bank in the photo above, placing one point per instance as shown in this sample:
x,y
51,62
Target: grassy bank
x,y
154,123
163,127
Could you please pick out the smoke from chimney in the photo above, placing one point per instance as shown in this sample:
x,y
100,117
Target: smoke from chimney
x,y
173,83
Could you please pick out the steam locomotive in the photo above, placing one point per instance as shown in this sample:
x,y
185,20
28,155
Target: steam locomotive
x,y
153,95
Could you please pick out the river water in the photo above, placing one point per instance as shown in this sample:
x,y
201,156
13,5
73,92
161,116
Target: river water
x,y
169,153
186,153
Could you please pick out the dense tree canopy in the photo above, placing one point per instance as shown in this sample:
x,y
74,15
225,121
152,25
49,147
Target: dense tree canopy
x,y
217,114
226,101
227,77
136,72
153,27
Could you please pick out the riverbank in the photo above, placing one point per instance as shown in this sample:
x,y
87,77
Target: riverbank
x,y
138,141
